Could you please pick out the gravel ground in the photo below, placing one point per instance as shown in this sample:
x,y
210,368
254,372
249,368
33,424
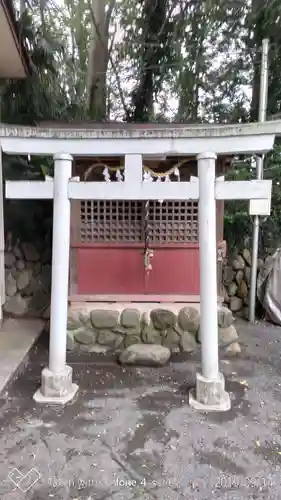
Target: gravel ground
x,y
131,435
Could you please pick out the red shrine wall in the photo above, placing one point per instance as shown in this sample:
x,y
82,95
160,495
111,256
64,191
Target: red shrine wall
x,y
106,270
107,250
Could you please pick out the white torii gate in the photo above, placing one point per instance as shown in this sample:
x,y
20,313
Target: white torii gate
x,y
56,385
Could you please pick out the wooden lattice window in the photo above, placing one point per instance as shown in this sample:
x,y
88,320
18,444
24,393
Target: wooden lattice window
x,y
124,221
173,221
111,221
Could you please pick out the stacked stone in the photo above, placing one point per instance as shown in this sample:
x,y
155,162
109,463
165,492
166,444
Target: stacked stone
x,y
236,282
27,280
103,331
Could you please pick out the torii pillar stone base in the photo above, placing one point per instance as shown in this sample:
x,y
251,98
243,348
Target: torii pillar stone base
x,y
56,388
209,395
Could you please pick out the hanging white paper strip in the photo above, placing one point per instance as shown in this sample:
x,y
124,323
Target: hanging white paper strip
x,y
106,175
177,173
147,177
119,176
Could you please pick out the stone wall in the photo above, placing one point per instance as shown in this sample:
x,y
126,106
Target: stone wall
x,y
103,331
27,279
236,282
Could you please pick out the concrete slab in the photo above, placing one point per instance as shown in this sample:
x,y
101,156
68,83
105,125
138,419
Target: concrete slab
x,y
17,337
130,433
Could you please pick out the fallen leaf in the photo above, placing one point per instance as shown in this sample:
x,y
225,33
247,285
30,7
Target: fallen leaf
x,y
244,382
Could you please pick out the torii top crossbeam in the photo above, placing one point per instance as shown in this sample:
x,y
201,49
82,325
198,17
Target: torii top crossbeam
x,y
145,139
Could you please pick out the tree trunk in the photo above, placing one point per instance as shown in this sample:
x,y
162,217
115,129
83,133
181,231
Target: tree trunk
x,y
98,62
153,29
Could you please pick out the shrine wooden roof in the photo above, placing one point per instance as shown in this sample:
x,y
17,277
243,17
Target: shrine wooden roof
x,y
14,59
113,125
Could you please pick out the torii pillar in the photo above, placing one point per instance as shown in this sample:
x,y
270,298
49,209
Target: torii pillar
x,y
56,379
210,387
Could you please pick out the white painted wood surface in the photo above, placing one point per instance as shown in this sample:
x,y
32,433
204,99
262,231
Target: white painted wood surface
x,y
243,190
133,188
2,243
120,130
30,190
60,264
156,146
208,266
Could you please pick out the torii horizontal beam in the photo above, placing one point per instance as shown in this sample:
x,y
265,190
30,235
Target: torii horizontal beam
x,y
134,188
224,190
156,139
170,146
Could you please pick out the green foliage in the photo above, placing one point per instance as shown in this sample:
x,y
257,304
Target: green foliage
x,y
186,60
238,223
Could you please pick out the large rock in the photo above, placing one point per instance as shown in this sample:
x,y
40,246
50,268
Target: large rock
x,y
130,318
152,336
144,354
225,317
188,342
145,319
20,265
120,342
107,337
239,276
30,252
37,268
131,340
70,340
228,275
39,300
242,291
17,305
163,318
232,289
172,339
95,348
11,286
247,256
226,298
260,264
102,318
238,263
247,273
84,336
17,251
127,331
189,319
32,288
227,335
24,278
235,304
77,319
44,278
233,348
15,272
9,259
